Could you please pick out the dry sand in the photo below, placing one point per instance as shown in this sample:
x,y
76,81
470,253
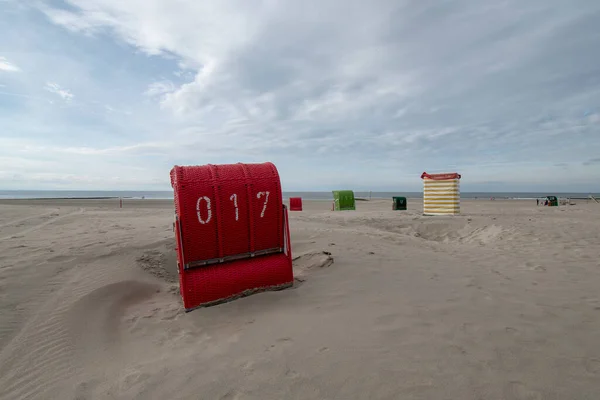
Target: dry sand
x,y
502,302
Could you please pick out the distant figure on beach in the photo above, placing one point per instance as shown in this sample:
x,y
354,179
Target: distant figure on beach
x,y
546,202
537,201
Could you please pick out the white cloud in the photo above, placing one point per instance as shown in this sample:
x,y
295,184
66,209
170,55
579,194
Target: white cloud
x,y
55,88
378,87
160,88
7,66
594,118
314,65
111,110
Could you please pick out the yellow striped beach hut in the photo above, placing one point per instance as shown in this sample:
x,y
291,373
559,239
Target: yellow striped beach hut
x,y
441,194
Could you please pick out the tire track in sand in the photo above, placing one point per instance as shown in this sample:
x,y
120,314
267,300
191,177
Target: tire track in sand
x,y
41,347
72,334
18,221
16,274
41,225
77,324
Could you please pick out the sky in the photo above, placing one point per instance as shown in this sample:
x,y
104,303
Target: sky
x,y
111,94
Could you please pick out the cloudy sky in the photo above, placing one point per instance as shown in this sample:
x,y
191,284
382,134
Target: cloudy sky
x,y
110,94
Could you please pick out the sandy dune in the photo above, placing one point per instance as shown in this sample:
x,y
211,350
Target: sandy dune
x,y
502,302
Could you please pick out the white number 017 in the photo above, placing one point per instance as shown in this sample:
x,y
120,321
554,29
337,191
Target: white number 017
x,y
233,198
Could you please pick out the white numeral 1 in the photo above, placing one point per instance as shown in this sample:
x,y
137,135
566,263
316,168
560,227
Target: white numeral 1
x,y
234,199
209,212
258,196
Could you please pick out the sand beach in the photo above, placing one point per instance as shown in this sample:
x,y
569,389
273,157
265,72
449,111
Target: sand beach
x,y
501,302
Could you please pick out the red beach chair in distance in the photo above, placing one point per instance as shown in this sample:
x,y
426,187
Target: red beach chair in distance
x,y
295,203
232,232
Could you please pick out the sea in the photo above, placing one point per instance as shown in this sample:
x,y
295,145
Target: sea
x,y
167,194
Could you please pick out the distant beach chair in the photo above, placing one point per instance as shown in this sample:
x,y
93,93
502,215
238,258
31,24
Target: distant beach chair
x,y
399,203
551,201
295,203
343,200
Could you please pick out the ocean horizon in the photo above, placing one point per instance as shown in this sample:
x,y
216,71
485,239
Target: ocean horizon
x,y
307,195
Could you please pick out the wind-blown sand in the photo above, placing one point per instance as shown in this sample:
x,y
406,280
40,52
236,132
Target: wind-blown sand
x,y
502,302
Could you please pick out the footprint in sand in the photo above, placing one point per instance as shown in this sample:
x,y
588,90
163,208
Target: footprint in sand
x,y
518,391
592,365
280,343
248,368
231,395
306,263
535,267
83,390
61,258
131,379
511,330
291,374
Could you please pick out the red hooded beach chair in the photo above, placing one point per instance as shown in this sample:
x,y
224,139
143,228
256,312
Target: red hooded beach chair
x,y
232,232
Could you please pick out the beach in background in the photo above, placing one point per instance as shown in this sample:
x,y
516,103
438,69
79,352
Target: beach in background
x,y
500,302
168,194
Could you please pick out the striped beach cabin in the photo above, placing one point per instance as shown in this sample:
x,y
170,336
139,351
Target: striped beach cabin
x,y
441,194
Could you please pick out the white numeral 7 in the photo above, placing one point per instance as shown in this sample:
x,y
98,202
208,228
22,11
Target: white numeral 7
x,y
234,199
258,196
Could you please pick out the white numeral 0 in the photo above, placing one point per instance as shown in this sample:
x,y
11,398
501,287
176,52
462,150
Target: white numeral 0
x,y
234,199
209,212
258,196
